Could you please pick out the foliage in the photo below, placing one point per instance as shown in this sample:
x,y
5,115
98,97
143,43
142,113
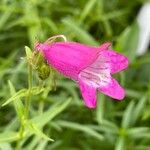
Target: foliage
x,y
58,120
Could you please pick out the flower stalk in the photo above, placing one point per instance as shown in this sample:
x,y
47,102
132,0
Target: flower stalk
x,y
27,103
27,108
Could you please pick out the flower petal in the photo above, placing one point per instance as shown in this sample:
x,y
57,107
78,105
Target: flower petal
x,y
113,89
69,58
105,46
97,74
116,61
88,93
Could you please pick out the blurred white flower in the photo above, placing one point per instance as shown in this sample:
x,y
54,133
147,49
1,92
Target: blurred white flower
x,y
144,24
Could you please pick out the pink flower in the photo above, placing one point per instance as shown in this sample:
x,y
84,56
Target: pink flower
x,y
91,67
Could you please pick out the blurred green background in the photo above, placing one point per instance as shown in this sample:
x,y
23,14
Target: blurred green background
x,y
112,125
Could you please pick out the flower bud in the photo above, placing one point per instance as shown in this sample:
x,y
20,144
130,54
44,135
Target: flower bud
x,y
40,65
43,71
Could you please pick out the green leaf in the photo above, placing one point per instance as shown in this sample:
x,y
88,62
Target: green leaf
x,y
121,42
127,117
146,114
120,144
41,145
18,104
33,143
108,28
139,132
142,147
56,145
52,26
133,93
100,109
23,93
131,42
5,146
87,9
83,128
35,130
127,41
5,16
28,52
8,136
82,35
44,118
108,127
138,109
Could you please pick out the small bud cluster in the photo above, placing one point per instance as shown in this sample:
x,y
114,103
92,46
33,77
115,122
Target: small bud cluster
x,y
40,65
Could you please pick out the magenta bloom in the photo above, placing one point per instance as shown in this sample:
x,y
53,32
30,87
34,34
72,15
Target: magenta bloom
x,y
91,67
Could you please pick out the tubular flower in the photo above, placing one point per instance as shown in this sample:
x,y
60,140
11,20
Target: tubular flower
x,y
91,67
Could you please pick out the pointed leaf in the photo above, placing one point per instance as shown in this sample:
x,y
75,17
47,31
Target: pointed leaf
x,y
35,130
142,147
44,118
120,144
42,145
139,132
100,109
81,34
133,93
131,43
138,109
5,146
127,41
83,128
18,104
108,127
87,9
23,93
33,143
28,52
120,46
127,117
8,136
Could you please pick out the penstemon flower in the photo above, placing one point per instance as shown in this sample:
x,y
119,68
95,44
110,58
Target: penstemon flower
x,y
91,67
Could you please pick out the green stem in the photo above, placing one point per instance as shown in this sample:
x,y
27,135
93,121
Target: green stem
x,y
41,107
27,103
27,106
21,131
